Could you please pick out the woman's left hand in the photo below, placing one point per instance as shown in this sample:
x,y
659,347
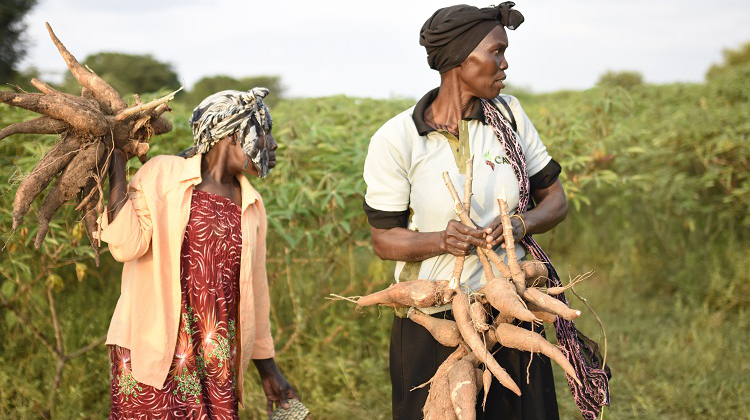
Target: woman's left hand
x,y
277,389
494,231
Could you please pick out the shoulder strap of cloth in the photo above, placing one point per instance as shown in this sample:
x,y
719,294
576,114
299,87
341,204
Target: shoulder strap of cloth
x,y
582,352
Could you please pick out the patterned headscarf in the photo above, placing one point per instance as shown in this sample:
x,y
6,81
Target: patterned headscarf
x,y
232,111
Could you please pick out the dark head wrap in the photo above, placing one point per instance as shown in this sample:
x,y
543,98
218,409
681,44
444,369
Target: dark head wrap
x,y
452,33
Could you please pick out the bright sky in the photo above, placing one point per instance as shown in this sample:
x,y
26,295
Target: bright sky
x,y
371,48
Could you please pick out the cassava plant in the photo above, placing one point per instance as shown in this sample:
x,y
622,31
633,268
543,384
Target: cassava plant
x,y
90,127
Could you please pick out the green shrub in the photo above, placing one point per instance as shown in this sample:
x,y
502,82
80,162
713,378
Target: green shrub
x,y
623,79
732,59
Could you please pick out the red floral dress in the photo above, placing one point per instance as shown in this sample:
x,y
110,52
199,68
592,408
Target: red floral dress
x,y
202,380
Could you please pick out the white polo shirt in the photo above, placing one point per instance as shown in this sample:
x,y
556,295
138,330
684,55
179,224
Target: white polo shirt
x,y
403,170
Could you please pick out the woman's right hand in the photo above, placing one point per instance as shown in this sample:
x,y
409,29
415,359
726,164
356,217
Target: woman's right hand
x,y
459,239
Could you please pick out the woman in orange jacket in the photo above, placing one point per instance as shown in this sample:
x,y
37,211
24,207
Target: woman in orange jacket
x,y
194,304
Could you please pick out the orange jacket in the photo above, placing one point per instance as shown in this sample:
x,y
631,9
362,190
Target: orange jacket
x,y
147,236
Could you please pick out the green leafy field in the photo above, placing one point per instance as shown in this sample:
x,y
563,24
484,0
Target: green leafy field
x,y
658,180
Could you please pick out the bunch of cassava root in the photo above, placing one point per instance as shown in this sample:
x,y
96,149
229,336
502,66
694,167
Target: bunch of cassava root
x,y
90,126
515,295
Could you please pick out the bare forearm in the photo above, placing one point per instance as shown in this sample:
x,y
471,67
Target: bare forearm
x,y
551,209
401,244
266,367
118,185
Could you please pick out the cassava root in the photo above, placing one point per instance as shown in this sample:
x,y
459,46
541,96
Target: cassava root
x,y
484,318
90,126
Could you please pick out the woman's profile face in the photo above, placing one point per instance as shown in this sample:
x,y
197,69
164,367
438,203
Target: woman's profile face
x,y
483,71
265,144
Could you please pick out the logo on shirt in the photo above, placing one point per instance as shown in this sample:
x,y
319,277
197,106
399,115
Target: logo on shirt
x,y
491,160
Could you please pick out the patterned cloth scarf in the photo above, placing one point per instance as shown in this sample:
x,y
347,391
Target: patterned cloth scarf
x,y
232,111
582,352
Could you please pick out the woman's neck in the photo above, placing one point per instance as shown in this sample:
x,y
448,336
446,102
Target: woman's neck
x,y
217,176
215,168
452,103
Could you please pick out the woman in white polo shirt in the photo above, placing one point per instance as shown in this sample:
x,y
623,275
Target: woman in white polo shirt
x,y
411,213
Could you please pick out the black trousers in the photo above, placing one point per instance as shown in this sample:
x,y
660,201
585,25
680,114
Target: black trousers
x,y
415,357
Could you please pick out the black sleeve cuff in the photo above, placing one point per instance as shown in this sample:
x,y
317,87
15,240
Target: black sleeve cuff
x,y
380,219
546,177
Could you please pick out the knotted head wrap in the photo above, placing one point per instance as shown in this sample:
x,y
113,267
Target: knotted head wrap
x,y
232,111
452,33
